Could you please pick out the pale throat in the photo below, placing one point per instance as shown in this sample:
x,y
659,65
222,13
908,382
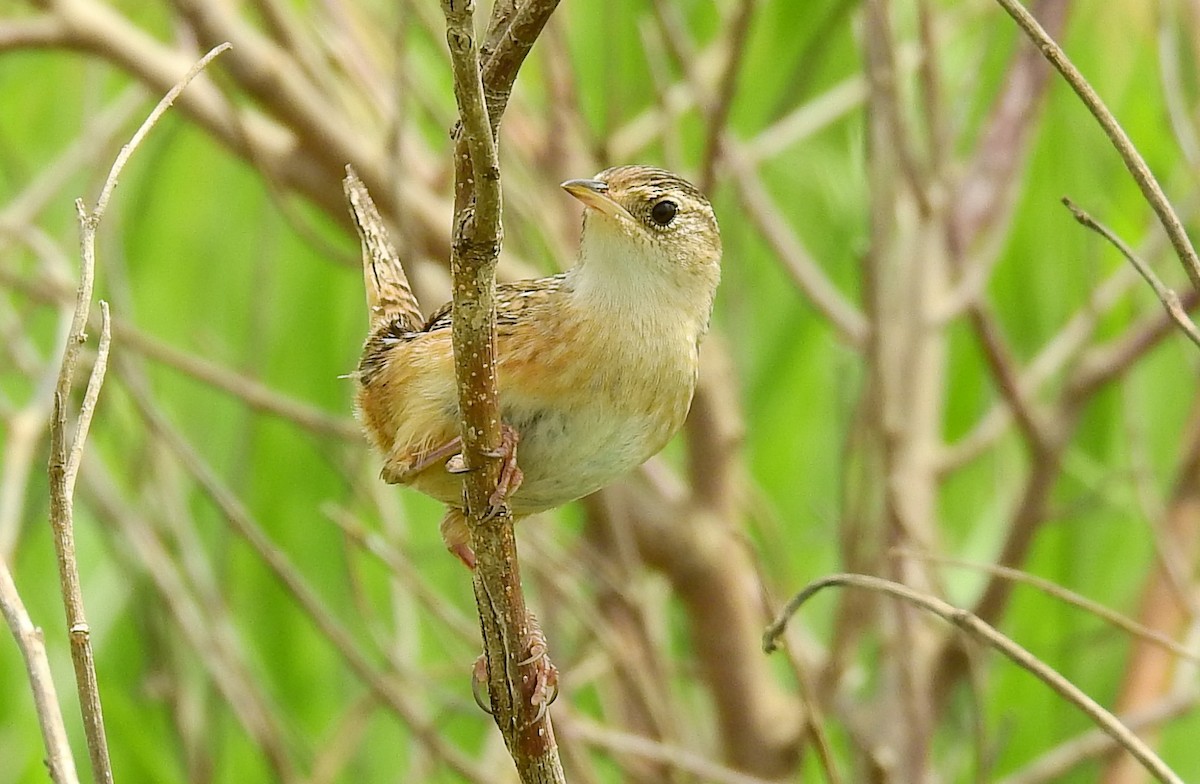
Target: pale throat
x,y
636,282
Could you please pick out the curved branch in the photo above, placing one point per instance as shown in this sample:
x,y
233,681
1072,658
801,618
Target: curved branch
x,y
975,627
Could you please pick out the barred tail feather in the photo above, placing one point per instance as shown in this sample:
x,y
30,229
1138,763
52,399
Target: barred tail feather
x,y
389,296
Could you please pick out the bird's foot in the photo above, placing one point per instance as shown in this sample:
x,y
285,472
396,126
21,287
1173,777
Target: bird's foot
x,y
510,473
457,536
543,675
539,676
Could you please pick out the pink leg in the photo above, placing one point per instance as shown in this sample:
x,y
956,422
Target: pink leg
x,y
457,536
401,471
454,529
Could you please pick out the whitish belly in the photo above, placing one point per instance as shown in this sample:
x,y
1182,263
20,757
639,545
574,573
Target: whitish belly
x,y
567,453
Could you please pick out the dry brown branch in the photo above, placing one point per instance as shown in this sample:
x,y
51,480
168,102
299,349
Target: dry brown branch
x,y
698,547
103,130
1150,672
1145,179
252,392
43,30
983,198
1058,352
482,94
972,625
1097,365
290,155
512,43
214,643
24,430
269,74
1170,70
402,567
1095,369
694,541
930,80
64,460
723,95
709,568
849,322
679,759
1023,523
1032,422
31,643
905,272
1103,363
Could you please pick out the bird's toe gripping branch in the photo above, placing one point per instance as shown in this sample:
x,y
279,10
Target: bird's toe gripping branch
x,y
510,474
455,532
539,676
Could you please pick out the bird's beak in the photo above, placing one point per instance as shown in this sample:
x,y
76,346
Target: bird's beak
x,y
594,194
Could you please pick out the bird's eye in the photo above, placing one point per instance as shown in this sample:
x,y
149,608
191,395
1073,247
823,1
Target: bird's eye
x,y
664,212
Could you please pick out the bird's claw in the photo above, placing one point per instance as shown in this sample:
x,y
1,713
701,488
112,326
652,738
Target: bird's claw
x,y
457,465
541,684
545,674
479,680
510,477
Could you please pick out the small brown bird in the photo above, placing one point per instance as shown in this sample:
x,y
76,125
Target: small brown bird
x,y
596,366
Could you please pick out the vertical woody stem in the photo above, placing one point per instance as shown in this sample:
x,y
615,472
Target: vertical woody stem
x,y
475,250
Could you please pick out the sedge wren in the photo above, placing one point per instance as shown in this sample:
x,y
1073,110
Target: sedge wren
x,y
595,366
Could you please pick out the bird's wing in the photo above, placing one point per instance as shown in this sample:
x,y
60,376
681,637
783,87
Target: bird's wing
x,y
515,302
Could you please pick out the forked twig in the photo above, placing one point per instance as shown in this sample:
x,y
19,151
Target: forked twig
x,y
1145,179
64,459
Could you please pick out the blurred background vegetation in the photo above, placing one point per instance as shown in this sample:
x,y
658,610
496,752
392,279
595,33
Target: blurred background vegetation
x,y
899,277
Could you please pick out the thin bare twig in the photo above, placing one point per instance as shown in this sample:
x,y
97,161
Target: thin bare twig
x,y
987,634
1066,595
1059,761
1145,179
195,612
252,392
1167,296
391,694
90,396
32,645
849,322
680,759
723,95
64,460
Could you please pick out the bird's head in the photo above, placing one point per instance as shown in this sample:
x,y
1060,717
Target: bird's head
x,y
649,228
